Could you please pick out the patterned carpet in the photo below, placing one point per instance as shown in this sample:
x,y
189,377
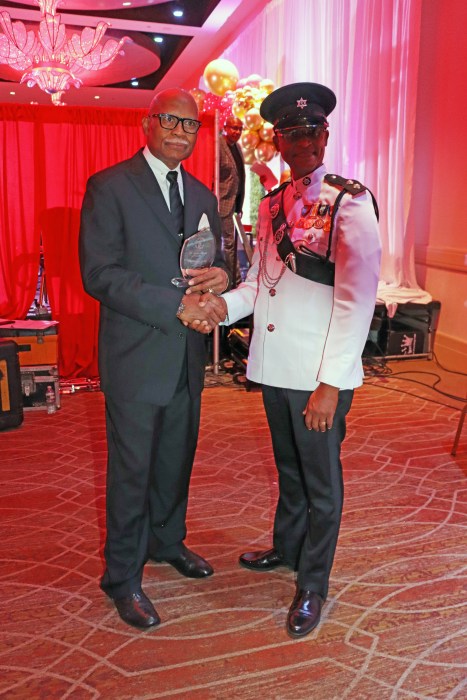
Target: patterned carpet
x,y
394,626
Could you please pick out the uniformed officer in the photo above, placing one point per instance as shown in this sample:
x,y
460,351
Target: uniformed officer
x,y
312,288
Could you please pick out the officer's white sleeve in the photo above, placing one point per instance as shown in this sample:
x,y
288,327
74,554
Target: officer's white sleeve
x,y
357,259
241,301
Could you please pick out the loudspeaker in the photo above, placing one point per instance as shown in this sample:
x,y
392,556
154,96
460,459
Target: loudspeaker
x,y
409,333
11,400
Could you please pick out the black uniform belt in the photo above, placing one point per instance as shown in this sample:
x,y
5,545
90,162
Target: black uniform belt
x,y
306,263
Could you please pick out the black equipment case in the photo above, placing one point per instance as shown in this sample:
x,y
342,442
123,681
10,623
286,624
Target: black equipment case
x,y
37,343
11,398
410,333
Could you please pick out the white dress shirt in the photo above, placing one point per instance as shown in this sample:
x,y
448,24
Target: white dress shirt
x,y
160,171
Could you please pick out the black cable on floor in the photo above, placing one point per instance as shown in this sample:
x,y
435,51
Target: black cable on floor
x,y
416,396
451,371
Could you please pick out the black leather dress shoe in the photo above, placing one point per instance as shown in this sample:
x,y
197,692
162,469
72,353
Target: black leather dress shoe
x,y
189,564
304,614
261,561
136,609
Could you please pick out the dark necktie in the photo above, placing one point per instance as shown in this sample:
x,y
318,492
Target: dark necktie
x,y
176,204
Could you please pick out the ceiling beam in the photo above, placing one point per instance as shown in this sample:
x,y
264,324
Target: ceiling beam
x,y
227,20
123,24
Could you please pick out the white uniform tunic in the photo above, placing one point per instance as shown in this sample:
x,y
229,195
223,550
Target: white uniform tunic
x,y
307,333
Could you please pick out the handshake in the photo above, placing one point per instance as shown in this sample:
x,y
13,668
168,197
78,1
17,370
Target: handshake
x,y
203,310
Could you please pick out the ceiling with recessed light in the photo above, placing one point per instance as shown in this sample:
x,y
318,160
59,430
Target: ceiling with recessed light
x,y
170,43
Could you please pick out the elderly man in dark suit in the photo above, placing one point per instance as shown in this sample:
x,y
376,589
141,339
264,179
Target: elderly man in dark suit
x,y
135,216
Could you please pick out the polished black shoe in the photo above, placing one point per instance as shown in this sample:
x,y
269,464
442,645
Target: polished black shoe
x,y
189,564
137,610
304,614
261,561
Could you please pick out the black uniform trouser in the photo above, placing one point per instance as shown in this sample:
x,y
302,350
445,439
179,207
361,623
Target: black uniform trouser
x,y
311,492
150,457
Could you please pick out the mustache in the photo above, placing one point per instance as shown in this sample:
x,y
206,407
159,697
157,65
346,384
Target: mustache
x,y
177,141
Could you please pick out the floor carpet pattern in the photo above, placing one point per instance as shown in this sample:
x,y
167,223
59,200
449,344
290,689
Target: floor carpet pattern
x,y
394,625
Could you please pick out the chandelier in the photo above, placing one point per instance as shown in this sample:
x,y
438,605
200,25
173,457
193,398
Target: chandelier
x,y
53,60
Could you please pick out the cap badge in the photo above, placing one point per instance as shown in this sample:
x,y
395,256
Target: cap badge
x,y
274,211
302,103
279,234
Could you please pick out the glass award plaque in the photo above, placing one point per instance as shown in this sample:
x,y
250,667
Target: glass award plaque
x,y
198,251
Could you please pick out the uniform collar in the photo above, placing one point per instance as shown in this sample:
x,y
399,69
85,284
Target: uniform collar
x,y
302,184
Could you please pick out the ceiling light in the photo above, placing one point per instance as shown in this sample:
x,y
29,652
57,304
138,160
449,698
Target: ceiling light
x,y
51,59
158,39
135,83
177,13
57,98
126,4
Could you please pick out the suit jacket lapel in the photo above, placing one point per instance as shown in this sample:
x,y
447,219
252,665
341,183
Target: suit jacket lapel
x,y
228,152
190,207
145,182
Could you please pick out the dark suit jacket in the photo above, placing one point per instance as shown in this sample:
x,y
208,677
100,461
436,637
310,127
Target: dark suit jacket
x,y
229,180
129,251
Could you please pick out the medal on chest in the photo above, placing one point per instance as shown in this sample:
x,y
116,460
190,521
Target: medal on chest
x,y
315,215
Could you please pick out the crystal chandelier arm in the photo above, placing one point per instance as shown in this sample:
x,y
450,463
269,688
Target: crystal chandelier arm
x,y
81,45
52,34
17,46
89,54
51,60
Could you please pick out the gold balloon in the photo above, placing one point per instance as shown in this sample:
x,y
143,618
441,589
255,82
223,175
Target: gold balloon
x,y
220,75
249,157
238,109
254,80
198,96
266,133
245,98
249,140
253,119
241,83
265,151
267,86
249,103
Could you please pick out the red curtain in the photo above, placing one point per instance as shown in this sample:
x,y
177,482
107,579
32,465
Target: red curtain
x,y
47,155
19,234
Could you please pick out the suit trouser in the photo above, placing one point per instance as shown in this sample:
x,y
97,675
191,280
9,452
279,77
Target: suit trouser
x,y
229,243
311,491
150,457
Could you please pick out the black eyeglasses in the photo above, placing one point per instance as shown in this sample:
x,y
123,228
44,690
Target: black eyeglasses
x,y
312,131
170,121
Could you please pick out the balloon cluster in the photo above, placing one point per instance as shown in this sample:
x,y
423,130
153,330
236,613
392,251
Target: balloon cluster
x,y
242,98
